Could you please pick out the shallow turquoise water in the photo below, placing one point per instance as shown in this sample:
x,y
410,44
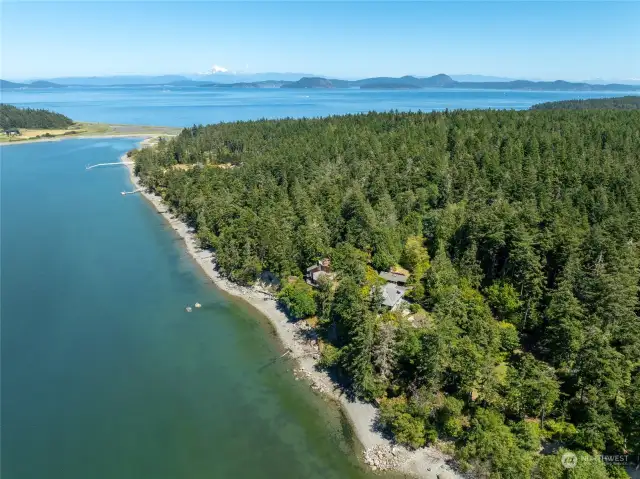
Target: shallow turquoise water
x,y
185,106
104,375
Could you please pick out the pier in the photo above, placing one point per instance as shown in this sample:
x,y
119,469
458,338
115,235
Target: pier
x,y
110,164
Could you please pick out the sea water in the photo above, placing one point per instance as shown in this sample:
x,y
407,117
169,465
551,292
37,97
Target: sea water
x,y
186,106
104,374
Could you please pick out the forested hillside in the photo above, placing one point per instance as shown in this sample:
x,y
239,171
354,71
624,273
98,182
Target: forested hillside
x,y
620,103
13,117
520,230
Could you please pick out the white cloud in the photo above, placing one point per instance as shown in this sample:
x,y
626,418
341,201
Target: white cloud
x,y
218,69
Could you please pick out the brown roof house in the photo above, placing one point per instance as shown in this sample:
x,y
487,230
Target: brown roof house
x,y
321,268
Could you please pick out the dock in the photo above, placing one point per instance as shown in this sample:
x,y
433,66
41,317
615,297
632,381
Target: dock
x,y
89,167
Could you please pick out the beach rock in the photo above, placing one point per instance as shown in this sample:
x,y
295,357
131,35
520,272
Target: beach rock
x,y
382,457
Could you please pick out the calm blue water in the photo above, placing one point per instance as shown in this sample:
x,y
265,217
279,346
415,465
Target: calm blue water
x,y
104,375
185,106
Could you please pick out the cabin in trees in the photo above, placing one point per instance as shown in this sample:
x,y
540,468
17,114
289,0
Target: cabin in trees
x,y
11,132
394,277
321,268
392,295
394,289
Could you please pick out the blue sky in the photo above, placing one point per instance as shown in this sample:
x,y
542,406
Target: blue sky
x,y
546,40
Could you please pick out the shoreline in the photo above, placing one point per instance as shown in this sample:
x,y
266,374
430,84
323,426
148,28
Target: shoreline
x,y
379,452
101,130
77,137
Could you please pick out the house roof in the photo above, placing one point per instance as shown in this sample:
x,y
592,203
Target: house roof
x,y
394,277
321,263
392,294
316,275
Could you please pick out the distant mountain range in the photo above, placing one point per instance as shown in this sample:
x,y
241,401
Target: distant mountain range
x,y
143,80
476,78
293,80
592,81
436,81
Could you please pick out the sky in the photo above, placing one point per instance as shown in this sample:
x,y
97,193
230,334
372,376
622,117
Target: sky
x,y
537,40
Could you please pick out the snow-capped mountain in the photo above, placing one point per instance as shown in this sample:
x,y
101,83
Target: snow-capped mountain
x,y
217,69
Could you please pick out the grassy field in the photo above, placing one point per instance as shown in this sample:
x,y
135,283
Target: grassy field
x,y
88,129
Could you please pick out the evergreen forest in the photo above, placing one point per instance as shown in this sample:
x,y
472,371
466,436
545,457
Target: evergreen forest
x,y
13,117
614,103
521,229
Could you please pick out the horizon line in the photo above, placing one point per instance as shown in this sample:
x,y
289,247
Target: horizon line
x,y
337,77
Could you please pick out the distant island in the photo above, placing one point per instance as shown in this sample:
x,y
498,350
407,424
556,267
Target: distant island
x,y
309,82
28,124
416,83
376,83
5,85
619,103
